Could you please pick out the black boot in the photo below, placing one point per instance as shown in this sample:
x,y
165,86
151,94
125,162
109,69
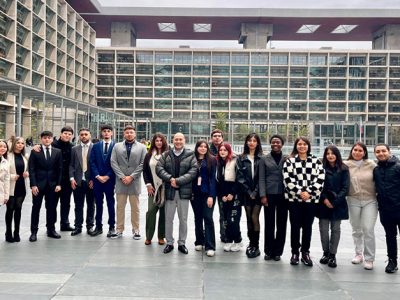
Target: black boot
x,y
250,247
17,238
391,266
9,237
332,261
324,259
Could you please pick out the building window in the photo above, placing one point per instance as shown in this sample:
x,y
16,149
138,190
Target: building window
x,y
298,59
259,58
183,58
163,57
279,59
220,58
144,57
201,58
240,58
338,59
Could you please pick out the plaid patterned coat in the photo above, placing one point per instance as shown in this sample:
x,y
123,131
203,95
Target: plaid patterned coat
x,y
303,176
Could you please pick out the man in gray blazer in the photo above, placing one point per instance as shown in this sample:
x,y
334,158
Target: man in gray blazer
x,y
127,163
81,182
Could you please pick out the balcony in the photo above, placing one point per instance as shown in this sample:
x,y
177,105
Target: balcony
x,y
22,34
22,14
37,62
22,55
5,67
37,25
5,5
5,46
37,7
5,24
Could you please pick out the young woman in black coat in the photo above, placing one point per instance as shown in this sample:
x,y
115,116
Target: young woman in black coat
x,y
247,178
333,204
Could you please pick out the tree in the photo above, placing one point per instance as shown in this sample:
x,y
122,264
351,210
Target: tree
x,y
220,121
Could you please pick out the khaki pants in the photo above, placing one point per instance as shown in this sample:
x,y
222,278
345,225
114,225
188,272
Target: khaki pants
x,y
121,204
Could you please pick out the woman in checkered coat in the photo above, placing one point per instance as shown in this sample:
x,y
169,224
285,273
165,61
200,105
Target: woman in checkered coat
x,y
303,176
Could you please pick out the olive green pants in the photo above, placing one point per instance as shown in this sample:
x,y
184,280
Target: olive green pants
x,y
151,219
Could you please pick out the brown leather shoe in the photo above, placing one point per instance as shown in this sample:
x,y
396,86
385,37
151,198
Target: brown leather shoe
x,y
161,241
147,242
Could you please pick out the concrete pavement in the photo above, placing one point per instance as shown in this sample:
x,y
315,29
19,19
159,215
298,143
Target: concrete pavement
x,y
84,267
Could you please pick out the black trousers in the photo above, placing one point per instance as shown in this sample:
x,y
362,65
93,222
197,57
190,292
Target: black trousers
x,y
50,199
302,216
391,222
275,221
14,207
232,214
65,202
205,235
222,219
81,193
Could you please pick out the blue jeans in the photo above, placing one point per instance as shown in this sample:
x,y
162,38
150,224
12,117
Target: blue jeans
x,y
202,213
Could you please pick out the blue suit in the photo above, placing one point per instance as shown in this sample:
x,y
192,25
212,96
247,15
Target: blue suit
x,y
100,166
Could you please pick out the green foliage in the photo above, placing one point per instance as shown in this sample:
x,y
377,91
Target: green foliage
x,y
220,121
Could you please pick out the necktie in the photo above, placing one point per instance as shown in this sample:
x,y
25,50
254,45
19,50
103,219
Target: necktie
x,y
106,148
47,153
84,158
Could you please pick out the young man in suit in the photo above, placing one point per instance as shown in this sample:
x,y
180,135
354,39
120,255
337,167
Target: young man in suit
x,y
103,180
81,182
45,175
127,162
64,144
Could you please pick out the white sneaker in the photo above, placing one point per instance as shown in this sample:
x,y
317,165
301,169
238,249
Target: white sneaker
x,y
116,235
358,259
227,247
136,235
210,253
236,247
198,247
368,265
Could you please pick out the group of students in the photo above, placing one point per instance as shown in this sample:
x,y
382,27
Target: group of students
x,y
299,185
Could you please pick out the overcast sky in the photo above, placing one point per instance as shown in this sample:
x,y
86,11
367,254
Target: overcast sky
x,y
257,3
337,4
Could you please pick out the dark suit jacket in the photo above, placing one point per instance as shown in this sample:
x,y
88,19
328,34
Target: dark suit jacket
x,y
76,165
43,172
100,164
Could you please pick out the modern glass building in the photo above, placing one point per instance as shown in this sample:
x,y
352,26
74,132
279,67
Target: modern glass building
x,y
47,57
333,96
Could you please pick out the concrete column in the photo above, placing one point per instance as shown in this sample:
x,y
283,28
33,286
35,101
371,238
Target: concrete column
x,y
123,34
387,37
255,35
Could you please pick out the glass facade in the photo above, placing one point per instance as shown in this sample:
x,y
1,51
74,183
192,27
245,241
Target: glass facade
x,y
262,86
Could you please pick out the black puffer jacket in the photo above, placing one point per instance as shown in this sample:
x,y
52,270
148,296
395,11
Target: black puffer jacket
x,y
165,169
336,187
387,182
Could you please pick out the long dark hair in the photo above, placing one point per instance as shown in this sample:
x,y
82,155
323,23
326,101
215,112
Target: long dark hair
x,y
305,140
153,143
336,152
246,149
362,145
208,157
